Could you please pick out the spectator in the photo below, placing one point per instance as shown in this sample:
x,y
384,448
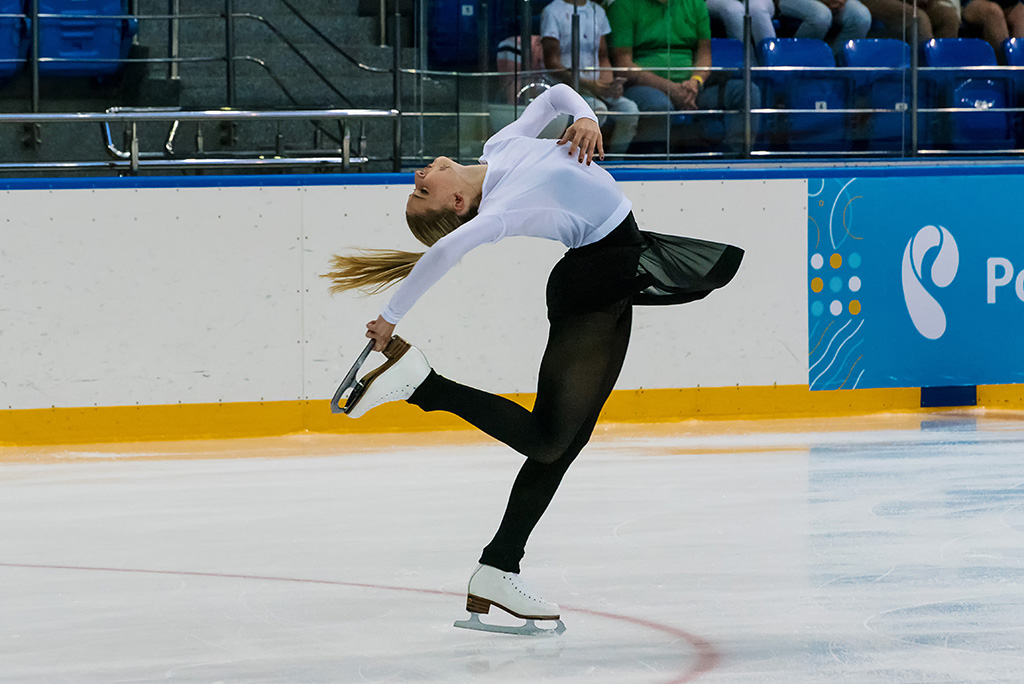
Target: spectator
x,y
730,13
667,45
997,19
817,17
509,63
936,18
600,89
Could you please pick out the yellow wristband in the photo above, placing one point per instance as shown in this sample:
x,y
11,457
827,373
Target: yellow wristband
x,y
699,79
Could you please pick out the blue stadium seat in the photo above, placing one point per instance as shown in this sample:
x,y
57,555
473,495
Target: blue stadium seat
x,y
14,37
1013,48
727,52
455,28
883,89
821,89
980,90
96,45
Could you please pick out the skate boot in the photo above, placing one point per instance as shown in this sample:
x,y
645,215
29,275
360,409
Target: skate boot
x,y
492,587
395,380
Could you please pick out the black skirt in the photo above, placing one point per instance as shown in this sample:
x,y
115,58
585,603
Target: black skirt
x,y
633,266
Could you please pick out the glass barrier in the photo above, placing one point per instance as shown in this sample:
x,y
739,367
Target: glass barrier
x,y
670,80
679,82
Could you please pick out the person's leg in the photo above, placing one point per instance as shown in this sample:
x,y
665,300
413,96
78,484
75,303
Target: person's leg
x,y
536,483
599,108
897,17
731,98
990,18
854,21
1015,20
625,124
577,356
730,13
761,26
815,18
652,130
945,18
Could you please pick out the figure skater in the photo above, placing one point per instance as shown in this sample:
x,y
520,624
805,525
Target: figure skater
x,y
526,186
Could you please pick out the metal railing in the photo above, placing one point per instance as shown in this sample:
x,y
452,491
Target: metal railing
x,y
133,160
473,93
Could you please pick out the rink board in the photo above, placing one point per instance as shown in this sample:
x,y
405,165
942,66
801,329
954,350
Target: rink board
x,y
148,308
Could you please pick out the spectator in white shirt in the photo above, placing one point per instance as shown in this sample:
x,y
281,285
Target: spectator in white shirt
x,y
601,90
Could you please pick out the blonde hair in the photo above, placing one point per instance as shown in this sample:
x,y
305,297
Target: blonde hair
x,y
374,270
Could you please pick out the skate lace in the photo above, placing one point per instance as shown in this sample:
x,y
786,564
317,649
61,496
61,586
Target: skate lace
x,y
518,585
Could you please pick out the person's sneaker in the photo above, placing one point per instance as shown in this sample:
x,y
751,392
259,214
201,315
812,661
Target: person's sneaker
x,y
395,380
490,586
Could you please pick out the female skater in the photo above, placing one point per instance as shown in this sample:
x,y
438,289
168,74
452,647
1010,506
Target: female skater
x,y
539,188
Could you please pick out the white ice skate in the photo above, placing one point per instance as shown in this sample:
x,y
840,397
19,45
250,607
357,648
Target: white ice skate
x,y
491,587
395,380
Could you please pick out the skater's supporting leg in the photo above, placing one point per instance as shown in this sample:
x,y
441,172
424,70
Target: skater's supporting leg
x,y
536,483
581,352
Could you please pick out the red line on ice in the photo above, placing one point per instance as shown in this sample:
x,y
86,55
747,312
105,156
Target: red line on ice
x,y
707,656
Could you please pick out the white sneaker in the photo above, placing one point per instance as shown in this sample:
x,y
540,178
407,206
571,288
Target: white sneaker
x,y
489,586
395,380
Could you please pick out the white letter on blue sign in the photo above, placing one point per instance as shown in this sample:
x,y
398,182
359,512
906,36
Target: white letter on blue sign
x,y
993,281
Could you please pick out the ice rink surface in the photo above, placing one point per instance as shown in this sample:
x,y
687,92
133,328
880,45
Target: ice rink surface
x,y
856,550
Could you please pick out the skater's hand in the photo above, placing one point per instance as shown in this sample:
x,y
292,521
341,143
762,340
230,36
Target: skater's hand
x,y
585,136
380,332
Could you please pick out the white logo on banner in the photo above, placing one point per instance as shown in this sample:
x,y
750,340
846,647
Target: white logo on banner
x,y
925,310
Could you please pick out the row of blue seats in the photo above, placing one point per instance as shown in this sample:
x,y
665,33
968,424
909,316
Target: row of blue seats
x,y
87,38
882,82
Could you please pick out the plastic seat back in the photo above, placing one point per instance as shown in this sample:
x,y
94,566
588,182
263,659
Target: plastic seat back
x,y
972,89
820,89
89,38
1013,48
880,88
727,53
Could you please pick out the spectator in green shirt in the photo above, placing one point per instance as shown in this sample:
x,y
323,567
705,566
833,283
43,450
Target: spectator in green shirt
x,y
667,43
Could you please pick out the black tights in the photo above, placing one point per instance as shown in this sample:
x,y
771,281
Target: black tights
x,y
581,363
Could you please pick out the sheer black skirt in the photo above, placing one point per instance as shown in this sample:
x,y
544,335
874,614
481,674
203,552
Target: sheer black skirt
x,y
647,268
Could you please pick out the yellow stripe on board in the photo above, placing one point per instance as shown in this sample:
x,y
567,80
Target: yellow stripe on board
x,y
260,419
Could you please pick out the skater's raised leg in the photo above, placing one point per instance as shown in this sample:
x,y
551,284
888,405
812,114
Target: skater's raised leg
x,y
582,351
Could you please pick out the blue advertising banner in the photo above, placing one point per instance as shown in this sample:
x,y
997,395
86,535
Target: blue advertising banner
x,y
915,282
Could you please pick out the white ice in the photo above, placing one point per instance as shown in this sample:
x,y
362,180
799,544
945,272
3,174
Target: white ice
x,y
855,550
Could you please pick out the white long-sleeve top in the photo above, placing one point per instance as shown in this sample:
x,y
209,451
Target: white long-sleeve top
x,y
532,188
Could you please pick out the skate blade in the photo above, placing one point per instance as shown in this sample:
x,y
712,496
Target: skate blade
x,y
528,629
393,352
349,383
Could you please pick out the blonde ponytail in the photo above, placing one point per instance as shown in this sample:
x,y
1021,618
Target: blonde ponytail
x,y
372,271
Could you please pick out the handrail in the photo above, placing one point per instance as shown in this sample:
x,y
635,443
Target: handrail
x,y
200,115
133,161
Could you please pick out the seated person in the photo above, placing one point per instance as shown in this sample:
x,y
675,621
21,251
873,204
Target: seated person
x,y
997,19
515,80
936,18
817,17
599,88
667,45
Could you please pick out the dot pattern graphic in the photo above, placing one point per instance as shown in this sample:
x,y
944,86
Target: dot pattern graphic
x,y
836,313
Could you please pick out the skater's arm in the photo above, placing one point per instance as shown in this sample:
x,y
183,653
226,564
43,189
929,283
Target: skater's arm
x,y
556,100
437,260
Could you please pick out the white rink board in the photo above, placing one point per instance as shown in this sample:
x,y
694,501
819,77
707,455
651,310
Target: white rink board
x,y
147,296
